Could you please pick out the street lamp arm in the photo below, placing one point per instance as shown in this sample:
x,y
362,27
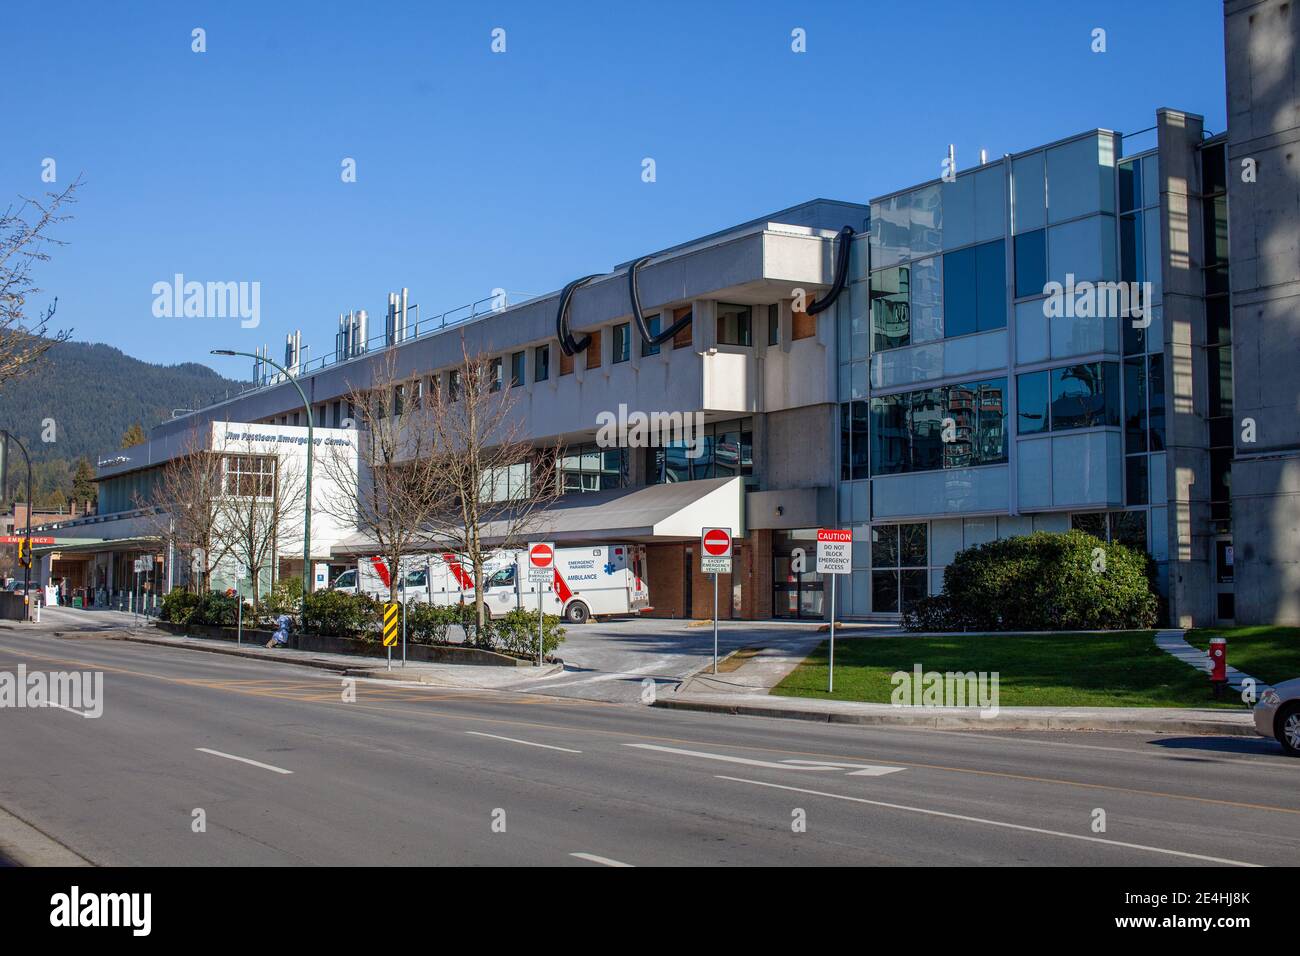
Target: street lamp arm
x,y
311,445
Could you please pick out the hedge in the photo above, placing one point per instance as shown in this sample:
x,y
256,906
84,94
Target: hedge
x,y
1041,582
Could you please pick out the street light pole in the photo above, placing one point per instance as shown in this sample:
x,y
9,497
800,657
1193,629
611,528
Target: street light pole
x,y
27,567
306,529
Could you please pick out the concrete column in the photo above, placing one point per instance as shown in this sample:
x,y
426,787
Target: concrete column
x,y
1191,590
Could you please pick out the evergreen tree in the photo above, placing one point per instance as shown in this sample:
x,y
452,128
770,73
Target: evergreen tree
x,y
84,488
134,436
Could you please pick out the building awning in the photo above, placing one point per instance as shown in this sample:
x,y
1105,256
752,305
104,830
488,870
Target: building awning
x,y
94,545
669,512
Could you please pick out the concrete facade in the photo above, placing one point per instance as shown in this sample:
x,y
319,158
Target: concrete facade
x,y
1263,180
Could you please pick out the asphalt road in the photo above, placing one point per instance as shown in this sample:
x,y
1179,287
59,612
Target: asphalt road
x,y
413,775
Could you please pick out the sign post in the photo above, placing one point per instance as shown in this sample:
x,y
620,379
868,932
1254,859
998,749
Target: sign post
x,y
715,559
541,568
243,588
834,557
390,630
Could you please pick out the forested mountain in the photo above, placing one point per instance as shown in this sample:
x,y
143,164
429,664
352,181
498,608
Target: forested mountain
x,y
94,394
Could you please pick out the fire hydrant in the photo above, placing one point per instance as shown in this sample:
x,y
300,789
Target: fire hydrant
x,y
1218,654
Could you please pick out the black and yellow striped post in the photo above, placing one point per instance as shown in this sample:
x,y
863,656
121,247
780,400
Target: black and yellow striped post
x,y
390,630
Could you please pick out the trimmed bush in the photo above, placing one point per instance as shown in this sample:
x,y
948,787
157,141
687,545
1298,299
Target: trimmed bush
x,y
338,614
1041,582
516,633
216,610
179,606
429,623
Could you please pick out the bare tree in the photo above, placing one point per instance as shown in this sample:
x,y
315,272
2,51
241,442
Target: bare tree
x,y
24,241
262,493
184,507
390,489
494,479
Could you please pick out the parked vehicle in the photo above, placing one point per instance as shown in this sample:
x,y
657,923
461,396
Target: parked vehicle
x,y
587,581
435,578
1278,715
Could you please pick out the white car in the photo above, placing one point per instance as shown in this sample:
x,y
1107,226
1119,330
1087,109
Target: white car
x,y
1278,715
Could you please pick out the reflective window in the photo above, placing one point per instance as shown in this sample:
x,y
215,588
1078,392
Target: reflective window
x,y
890,326
1130,186
542,363
1085,395
1156,401
975,289
724,450
1135,405
621,343
1031,403
1031,263
653,324
953,426
590,468
889,437
774,325
734,323
516,369
853,441
1135,479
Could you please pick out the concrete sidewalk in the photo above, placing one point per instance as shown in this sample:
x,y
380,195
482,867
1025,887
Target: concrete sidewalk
x,y
1152,720
352,665
1174,643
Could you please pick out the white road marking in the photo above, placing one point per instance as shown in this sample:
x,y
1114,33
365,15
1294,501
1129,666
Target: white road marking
x,y
745,760
255,763
856,769
526,743
71,710
602,860
1168,754
994,823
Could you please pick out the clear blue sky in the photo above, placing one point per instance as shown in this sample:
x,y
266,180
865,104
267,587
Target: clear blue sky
x,y
520,170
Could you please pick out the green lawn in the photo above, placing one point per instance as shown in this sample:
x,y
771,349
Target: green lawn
x,y
1121,669
1270,654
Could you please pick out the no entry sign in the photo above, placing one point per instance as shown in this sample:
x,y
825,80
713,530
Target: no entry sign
x,y
715,550
541,562
834,550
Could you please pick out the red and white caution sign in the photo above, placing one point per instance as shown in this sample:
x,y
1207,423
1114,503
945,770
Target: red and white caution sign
x,y
715,550
834,550
541,562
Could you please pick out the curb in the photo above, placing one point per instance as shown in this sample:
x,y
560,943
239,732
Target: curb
x,y
23,845
971,721
344,670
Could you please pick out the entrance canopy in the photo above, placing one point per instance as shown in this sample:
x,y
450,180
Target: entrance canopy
x,y
669,512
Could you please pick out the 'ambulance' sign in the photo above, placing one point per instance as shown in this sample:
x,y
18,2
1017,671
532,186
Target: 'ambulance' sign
x,y
834,550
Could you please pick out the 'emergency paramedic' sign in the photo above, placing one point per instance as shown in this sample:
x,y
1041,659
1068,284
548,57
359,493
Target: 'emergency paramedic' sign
x,y
834,550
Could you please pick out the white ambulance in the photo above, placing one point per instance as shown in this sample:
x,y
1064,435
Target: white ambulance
x,y
588,581
440,578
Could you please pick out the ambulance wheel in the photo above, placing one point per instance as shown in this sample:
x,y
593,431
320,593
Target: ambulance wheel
x,y
1288,729
577,613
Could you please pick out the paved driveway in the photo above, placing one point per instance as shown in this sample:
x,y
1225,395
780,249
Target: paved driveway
x,y
610,660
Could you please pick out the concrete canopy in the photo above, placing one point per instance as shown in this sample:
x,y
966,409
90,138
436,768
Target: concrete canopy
x,y
676,511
